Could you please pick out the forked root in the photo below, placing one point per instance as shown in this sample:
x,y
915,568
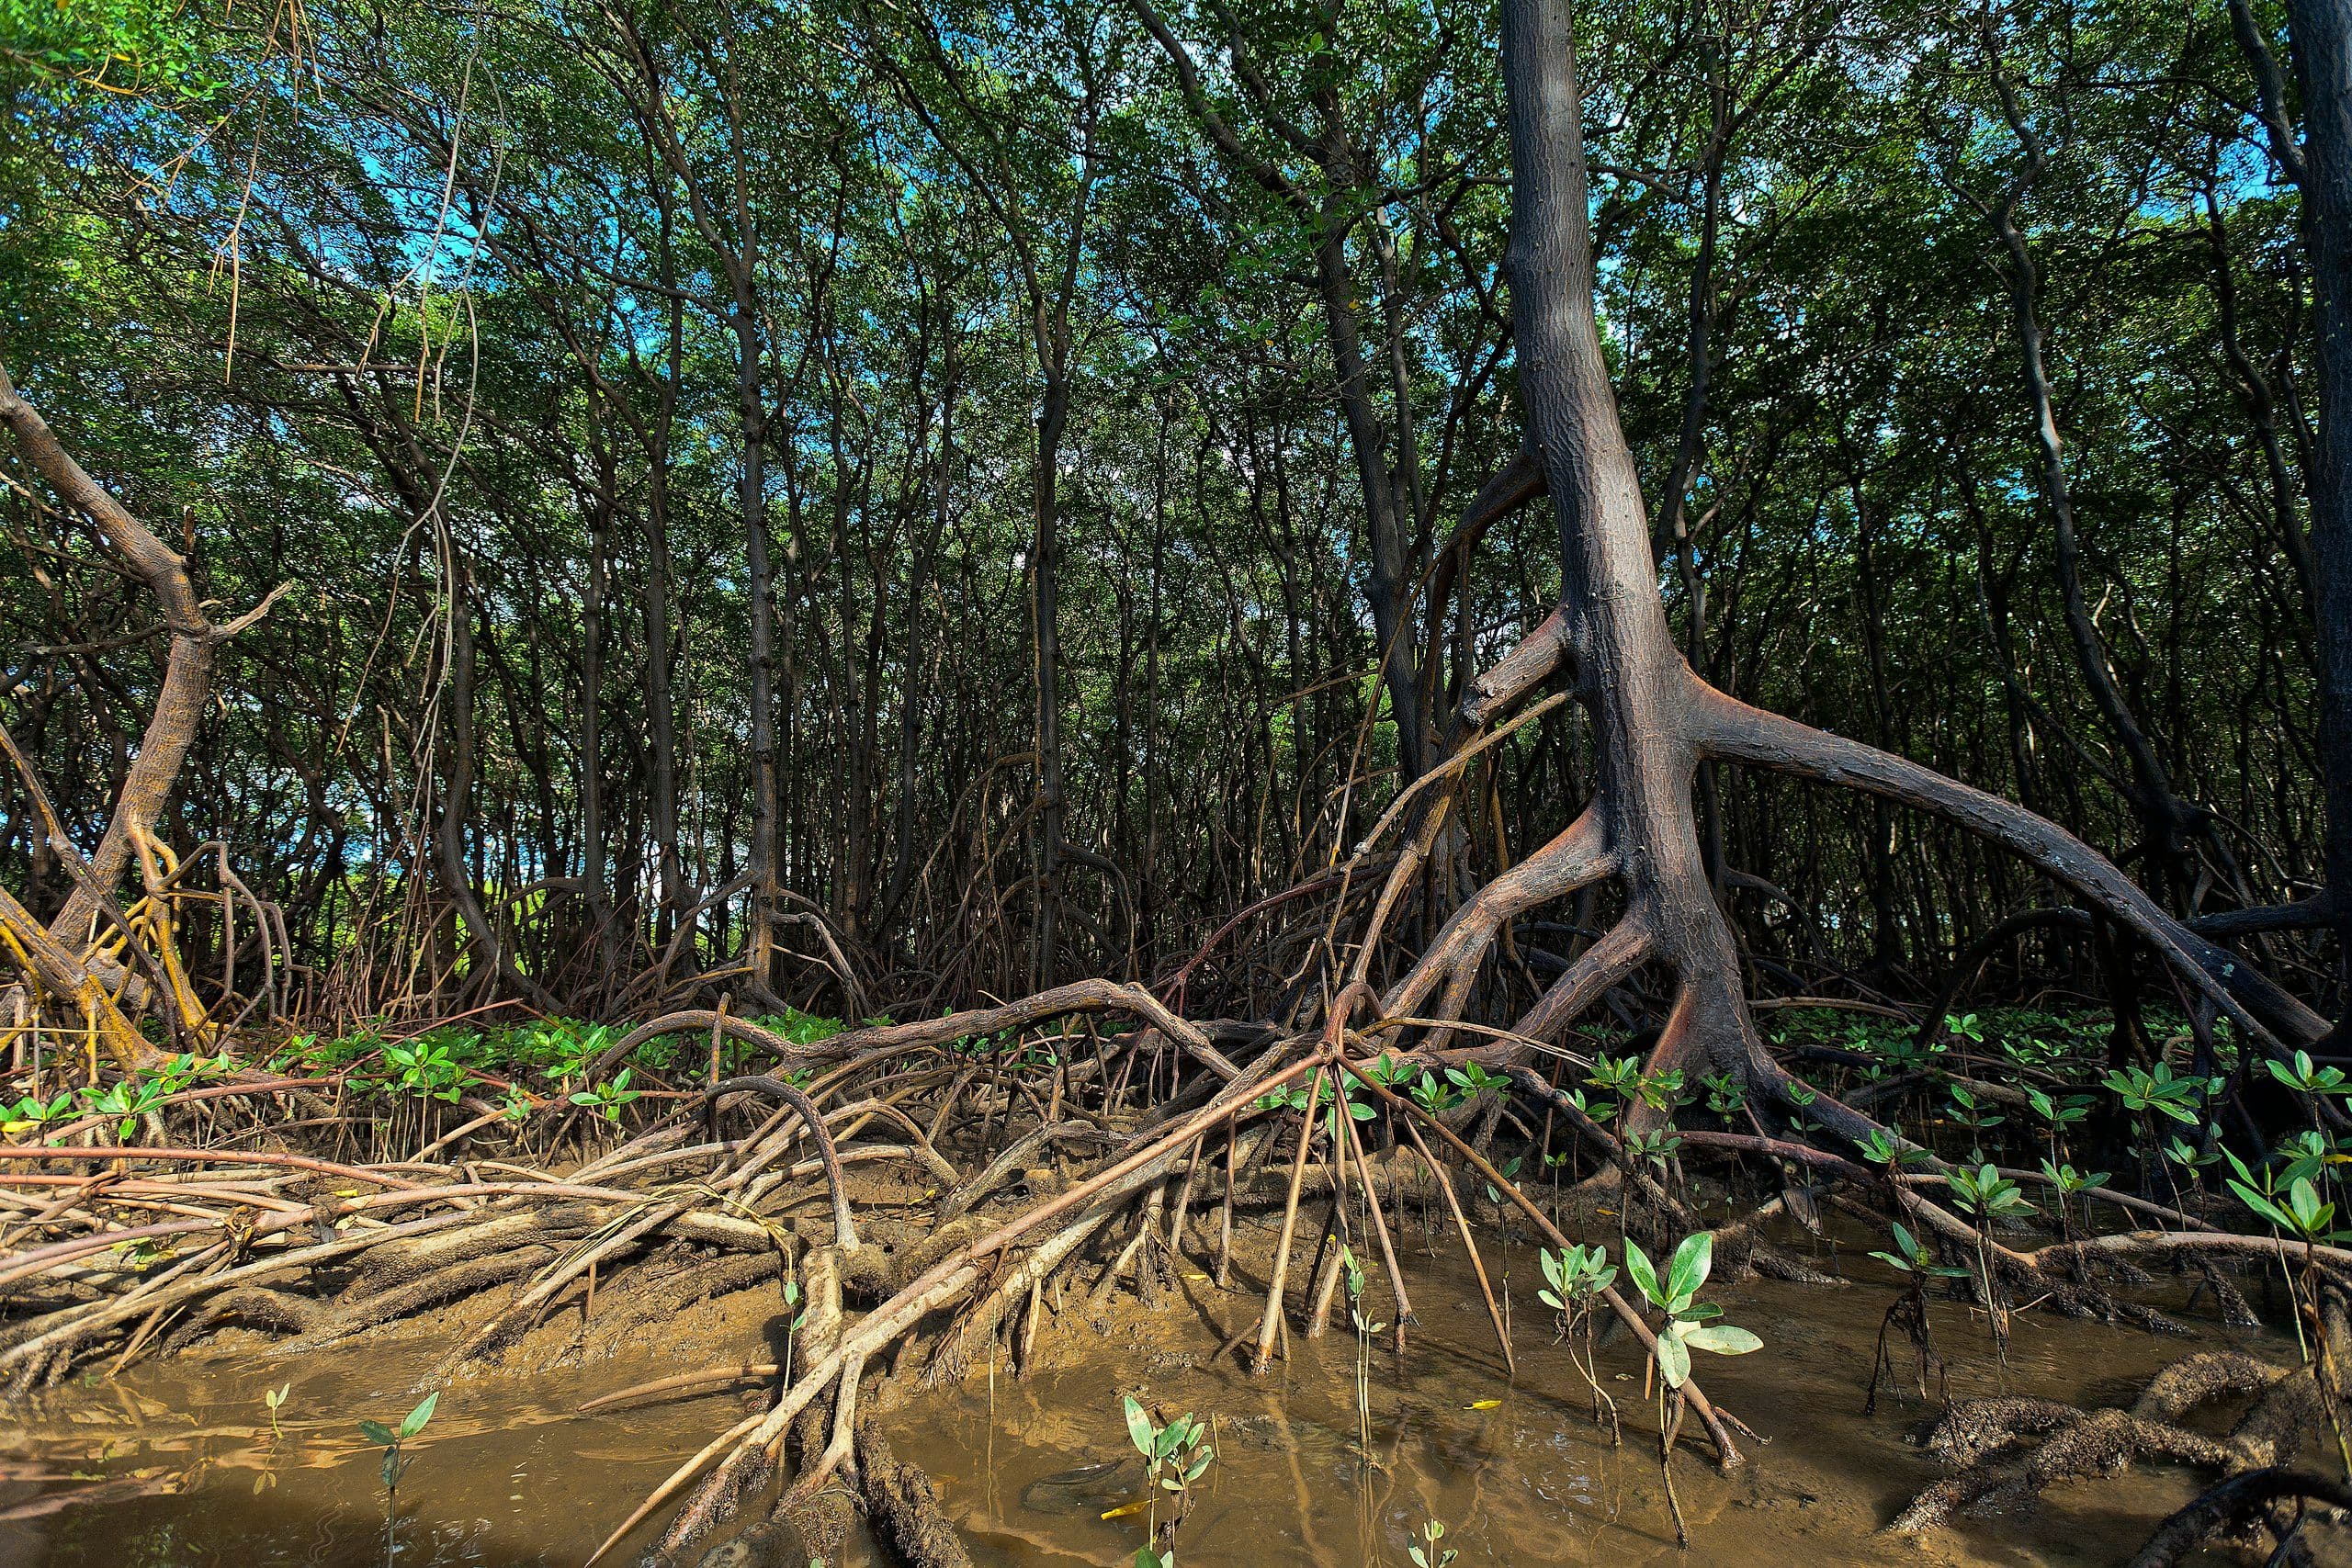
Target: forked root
x,y
1994,1442
2244,1502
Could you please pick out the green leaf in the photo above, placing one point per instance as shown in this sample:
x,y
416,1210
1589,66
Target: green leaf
x,y
2262,1206
378,1433
2311,1215
1644,1272
1139,1430
1721,1339
1691,1263
414,1422
1673,1359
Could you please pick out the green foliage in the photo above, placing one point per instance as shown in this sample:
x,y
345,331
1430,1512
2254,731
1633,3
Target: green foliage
x,y
393,1441
607,1097
1657,1148
2159,1091
1986,1193
1175,1455
119,49
2294,1208
2070,1181
1690,1323
1472,1079
1574,1277
2310,1156
425,1069
1879,1147
1434,1094
1726,1095
1911,1256
2060,1111
2303,1077
33,1113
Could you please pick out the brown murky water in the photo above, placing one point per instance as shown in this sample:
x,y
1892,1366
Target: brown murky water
x,y
174,1465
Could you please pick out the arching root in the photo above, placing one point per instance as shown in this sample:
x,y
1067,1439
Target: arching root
x,y
1981,1435
2241,1504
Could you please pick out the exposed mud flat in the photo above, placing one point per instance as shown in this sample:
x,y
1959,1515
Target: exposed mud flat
x,y
174,1463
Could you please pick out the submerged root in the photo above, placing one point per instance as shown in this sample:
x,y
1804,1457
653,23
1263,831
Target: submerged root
x,y
1993,1442
2242,1504
2095,1443
903,1505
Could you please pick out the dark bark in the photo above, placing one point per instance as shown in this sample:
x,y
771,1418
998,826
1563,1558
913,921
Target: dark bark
x,y
2322,31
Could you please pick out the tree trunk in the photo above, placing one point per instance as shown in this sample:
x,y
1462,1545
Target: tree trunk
x,y
1624,667
2323,38
1045,582
661,708
1653,721
457,789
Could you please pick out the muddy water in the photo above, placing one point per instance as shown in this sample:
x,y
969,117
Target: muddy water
x,y
174,1465
1532,1479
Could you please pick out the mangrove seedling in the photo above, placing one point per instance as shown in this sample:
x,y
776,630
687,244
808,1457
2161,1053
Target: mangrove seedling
x,y
1988,1195
276,1399
2072,1183
1689,1326
1174,1456
1882,1147
2303,1077
2058,1114
392,1440
1365,1329
2297,1211
606,1099
1917,1265
1425,1553
1573,1282
1726,1095
799,1316
1977,1118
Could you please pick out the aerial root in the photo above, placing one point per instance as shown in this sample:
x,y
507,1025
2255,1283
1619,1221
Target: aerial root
x,y
819,1442
654,1299
1011,1287
2195,1380
443,1285
250,1304
751,1464
1576,858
